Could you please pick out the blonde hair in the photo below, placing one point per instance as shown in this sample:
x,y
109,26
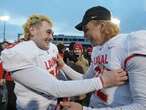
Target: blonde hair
x,y
34,20
109,29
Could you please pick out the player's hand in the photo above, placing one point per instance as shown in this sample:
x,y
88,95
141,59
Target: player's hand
x,y
71,106
114,77
60,62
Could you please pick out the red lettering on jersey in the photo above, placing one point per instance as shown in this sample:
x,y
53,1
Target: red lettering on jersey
x,y
98,71
51,66
106,60
50,63
46,65
101,59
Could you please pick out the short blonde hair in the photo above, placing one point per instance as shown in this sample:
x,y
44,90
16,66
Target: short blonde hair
x,y
34,20
109,29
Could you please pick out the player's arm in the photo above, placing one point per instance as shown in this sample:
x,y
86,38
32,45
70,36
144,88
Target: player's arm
x,y
111,77
68,70
72,73
76,75
39,80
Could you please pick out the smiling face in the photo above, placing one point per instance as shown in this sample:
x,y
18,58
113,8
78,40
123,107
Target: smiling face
x,y
93,33
99,32
78,51
42,34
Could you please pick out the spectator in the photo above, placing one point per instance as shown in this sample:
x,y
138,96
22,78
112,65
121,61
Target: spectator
x,y
80,59
61,49
89,51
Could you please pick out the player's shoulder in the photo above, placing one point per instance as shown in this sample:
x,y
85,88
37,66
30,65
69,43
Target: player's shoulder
x,y
25,46
22,49
19,56
139,32
138,35
52,45
118,40
136,42
96,48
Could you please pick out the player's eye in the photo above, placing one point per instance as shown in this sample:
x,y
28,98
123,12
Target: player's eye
x,y
50,31
85,29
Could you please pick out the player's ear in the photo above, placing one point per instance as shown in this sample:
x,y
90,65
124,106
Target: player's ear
x,y
33,31
101,27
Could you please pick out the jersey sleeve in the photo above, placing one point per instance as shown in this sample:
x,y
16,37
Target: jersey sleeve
x,y
19,56
115,60
117,52
49,85
136,43
90,72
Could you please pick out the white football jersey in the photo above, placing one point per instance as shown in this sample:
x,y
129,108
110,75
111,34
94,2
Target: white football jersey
x,y
27,54
114,54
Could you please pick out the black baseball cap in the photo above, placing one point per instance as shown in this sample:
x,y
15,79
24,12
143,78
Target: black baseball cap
x,y
94,13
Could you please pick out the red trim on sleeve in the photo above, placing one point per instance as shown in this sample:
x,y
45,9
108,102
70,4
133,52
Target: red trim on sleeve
x,y
11,46
131,56
102,95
